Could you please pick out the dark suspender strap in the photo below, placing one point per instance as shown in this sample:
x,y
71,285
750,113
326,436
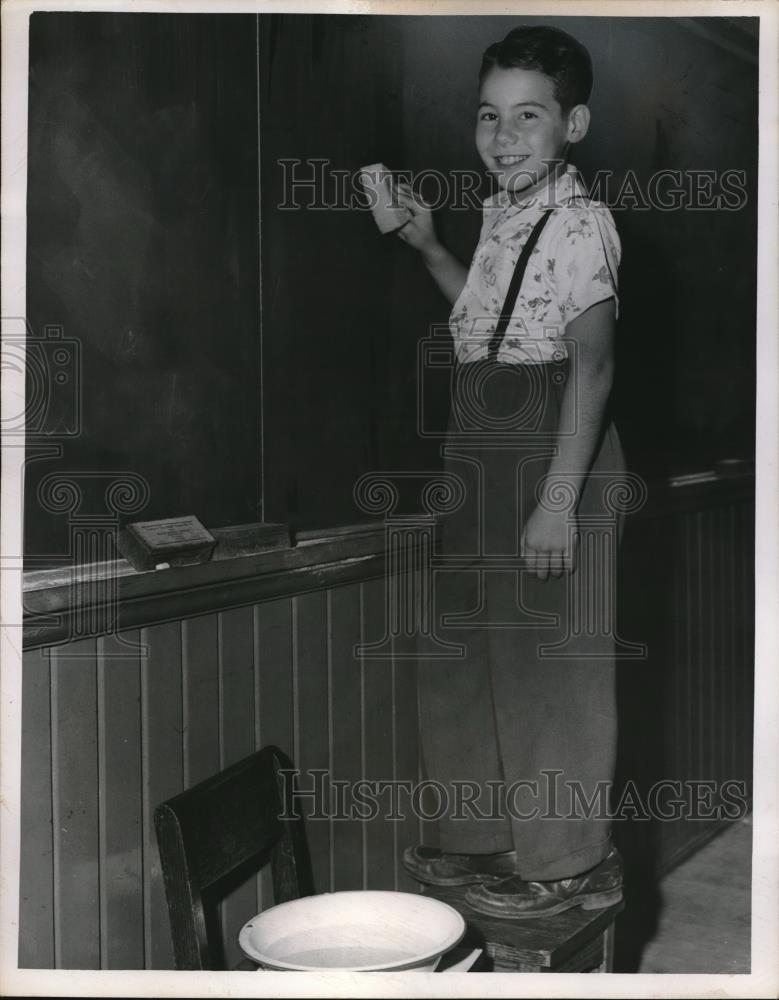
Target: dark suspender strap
x,y
514,285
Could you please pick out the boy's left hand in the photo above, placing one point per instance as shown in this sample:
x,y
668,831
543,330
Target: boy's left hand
x,y
546,542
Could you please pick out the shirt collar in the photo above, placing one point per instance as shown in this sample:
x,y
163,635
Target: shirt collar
x,y
564,186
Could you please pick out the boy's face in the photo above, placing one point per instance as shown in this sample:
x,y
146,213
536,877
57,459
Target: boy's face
x,y
521,128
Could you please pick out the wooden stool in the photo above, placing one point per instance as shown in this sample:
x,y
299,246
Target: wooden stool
x,y
576,940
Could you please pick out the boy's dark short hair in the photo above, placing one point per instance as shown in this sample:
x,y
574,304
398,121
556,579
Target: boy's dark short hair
x,y
552,52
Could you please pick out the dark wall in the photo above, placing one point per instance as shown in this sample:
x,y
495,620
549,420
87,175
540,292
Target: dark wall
x,y
669,94
347,309
247,375
330,90
142,245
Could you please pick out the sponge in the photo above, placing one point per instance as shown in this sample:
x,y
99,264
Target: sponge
x,y
388,215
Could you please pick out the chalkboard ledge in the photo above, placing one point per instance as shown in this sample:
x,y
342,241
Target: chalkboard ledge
x,y
112,596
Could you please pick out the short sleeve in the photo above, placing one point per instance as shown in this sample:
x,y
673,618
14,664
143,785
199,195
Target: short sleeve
x,y
586,259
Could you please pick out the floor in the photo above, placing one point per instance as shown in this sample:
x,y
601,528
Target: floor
x,y
704,918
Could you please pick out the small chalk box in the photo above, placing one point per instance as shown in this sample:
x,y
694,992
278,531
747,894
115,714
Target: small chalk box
x,y
173,541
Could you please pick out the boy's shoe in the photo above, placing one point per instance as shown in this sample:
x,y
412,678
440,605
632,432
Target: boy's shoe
x,y
434,867
516,898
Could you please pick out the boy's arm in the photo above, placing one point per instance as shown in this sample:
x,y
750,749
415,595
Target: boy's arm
x,y
546,533
419,232
446,270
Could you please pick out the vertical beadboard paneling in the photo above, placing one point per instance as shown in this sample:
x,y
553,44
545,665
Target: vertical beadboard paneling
x,y
377,720
679,646
162,757
742,631
273,692
713,673
121,821
730,593
273,645
714,587
711,660
708,653
406,751
747,616
106,739
36,895
236,684
345,699
236,699
200,698
75,806
312,738
723,624
689,625
700,679
690,762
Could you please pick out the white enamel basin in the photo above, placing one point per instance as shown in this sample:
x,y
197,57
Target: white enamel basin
x,y
360,931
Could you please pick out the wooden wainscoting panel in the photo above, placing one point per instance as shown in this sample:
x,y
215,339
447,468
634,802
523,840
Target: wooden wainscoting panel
x,y
36,854
75,805
406,750
377,714
236,706
107,737
678,679
163,772
120,801
200,697
236,685
312,725
273,655
745,616
273,701
347,871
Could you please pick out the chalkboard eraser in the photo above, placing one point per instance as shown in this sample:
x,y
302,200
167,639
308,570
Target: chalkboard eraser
x,y
177,541
246,539
388,215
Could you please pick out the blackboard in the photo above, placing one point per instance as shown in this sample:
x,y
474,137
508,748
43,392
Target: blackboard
x,y
143,260
246,359
233,354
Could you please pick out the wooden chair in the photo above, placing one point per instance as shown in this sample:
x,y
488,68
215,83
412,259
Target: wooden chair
x,y
573,941
213,836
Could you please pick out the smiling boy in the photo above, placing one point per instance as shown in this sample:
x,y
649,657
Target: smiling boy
x,y
533,323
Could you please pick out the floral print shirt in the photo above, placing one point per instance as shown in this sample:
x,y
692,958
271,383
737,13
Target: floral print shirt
x,y
573,266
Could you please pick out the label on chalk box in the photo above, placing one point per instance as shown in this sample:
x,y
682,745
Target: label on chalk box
x,y
174,531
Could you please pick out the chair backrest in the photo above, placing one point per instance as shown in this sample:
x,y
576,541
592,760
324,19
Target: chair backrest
x,y
216,834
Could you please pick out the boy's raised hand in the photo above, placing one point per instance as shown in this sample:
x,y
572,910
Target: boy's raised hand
x,y
419,231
